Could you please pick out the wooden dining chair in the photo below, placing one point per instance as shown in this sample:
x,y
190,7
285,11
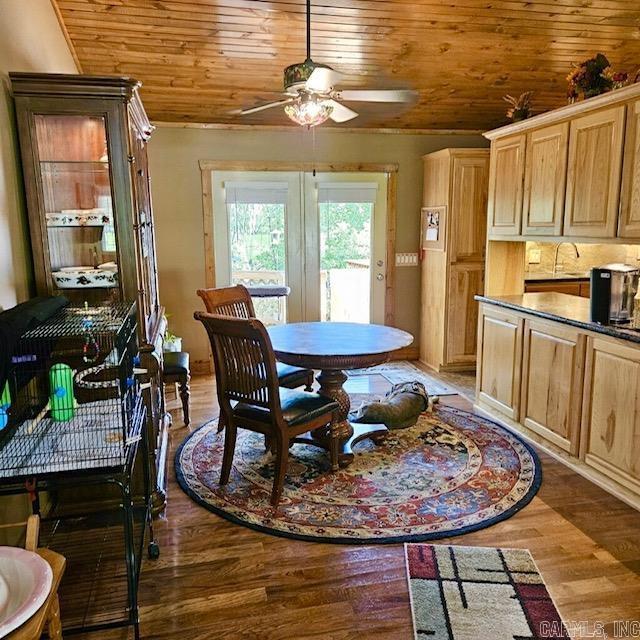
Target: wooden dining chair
x,y
236,302
246,376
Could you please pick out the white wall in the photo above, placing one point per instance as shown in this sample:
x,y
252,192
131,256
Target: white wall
x,y
30,40
177,198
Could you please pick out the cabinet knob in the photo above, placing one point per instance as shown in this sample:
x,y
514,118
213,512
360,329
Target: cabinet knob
x,y
131,159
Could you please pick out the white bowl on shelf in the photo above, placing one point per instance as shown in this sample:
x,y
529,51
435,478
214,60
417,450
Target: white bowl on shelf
x,y
79,218
85,278
25,583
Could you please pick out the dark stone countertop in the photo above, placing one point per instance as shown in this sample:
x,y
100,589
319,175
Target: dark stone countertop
x,y
562,308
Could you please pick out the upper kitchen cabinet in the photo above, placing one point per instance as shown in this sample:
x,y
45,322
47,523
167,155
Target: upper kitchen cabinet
x,y
593,174
579,167
506,169
629,225
545,178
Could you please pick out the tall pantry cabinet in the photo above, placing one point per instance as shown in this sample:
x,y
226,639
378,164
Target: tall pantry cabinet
x,y
456,183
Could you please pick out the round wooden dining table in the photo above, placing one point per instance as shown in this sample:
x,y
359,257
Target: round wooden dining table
x,y
333,347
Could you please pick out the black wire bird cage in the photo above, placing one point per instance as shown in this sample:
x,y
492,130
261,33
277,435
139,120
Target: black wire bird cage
x,y
72,401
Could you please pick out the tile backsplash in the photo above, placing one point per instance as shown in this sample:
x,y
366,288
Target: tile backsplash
x,y
591,255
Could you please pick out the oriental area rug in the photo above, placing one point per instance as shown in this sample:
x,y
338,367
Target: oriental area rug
x,y
464,593
451,473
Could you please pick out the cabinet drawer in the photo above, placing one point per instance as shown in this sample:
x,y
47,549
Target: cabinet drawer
x,y
552,377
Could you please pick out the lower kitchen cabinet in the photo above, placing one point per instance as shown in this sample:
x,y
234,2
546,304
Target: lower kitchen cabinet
x,y
611,413
552,378
500,343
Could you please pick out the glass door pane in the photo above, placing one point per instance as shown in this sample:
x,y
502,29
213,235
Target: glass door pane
x,y
258,239
256,232
78,209
345,227
345,261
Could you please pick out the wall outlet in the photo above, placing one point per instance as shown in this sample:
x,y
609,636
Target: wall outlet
x,y
534,256
406,259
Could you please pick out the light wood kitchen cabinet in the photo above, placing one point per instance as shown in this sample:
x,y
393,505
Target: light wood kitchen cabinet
x,y
629,224
593,174
468,225
465,282
454,274
611,412
500,358
552,375
506,174
545,180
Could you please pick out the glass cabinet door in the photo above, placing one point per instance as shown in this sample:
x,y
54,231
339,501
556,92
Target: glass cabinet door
x,y
75,176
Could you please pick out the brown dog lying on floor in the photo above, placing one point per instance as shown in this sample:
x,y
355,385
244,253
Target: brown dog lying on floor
x,y
399,409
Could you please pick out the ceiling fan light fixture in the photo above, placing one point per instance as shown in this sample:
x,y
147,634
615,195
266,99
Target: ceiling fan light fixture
x,y
308,110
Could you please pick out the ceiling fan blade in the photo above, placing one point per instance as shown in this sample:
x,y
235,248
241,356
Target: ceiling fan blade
x,y
340,113
377,95
262,107
322,79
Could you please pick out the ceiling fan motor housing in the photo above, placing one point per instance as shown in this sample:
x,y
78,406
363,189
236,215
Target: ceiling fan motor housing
x,y
296,75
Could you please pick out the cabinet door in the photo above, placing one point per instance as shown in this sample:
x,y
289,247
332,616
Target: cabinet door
x,y
500,341
545,180
468,214
611,414
593,174
552,375
629,224
465,282
506,174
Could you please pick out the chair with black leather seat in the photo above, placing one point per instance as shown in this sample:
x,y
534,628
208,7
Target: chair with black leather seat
x,y
246,376
236,302
175,370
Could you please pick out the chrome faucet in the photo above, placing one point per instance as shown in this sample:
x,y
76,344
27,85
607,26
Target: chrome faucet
x,y
555,255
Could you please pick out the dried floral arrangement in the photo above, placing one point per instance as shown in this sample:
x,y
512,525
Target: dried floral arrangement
x,y
593,77
520,107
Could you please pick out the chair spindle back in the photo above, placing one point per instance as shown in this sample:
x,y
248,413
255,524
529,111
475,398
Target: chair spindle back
x,y
228,301
244,360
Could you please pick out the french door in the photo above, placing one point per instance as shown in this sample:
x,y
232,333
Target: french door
x,y
323,236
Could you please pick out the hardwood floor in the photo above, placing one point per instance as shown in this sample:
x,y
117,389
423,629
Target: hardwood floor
x,y
217,580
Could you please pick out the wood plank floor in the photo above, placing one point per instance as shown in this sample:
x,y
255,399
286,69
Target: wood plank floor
x,y
218,580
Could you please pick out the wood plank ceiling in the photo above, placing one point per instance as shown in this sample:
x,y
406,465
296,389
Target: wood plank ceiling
x,y
199,59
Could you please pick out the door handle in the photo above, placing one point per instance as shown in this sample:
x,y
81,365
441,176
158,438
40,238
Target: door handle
x,y
379,276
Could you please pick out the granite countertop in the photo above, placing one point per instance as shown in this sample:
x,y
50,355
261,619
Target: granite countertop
x,y
562,308
533,276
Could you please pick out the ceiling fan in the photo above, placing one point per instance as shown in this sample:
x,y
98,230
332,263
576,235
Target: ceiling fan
x,y
311,97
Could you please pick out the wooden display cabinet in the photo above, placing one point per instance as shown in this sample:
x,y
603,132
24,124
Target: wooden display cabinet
x,y
83,144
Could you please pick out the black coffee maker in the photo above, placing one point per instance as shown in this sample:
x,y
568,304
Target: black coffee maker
x,y
613,289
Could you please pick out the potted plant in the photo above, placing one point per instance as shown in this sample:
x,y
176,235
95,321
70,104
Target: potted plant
x,y
172,343
520,107
592,77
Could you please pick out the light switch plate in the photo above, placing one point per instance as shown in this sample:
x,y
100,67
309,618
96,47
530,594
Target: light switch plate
x,y
406,259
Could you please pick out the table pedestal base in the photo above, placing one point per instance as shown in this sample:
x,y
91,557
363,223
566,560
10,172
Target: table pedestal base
x,y
348,434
